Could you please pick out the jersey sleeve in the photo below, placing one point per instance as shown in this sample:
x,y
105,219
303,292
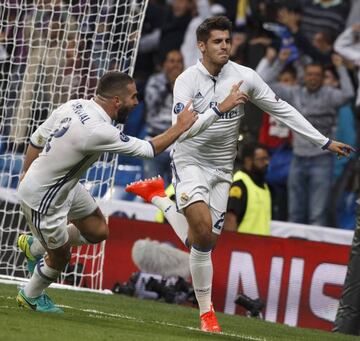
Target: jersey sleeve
x,y
41,134
183,94
262,96
107,138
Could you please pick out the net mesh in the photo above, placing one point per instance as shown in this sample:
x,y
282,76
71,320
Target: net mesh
x,y
52,51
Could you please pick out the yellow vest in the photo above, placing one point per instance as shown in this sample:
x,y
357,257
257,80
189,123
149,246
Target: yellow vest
x,y
169,191
258,207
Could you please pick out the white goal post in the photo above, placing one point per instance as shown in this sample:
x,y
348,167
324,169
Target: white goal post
x,y
52,51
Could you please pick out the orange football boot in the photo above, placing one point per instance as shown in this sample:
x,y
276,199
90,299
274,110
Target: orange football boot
x,y
148,188
209,322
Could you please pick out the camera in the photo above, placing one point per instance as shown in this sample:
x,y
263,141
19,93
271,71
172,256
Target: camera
x,y
253,306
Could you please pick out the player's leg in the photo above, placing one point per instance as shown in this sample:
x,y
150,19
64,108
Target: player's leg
x,y
88,227
89,224
152,190
52,232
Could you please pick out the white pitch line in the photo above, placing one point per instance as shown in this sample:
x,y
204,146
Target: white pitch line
x,y
100,314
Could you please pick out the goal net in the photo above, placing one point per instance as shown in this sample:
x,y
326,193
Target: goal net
x,y
52,51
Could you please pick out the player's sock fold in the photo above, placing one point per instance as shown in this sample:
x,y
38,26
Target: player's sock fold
x,y
202,273
42,277
177,220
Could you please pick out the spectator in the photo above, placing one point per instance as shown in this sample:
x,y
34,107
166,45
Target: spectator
x,y
348,45
189,46
158,101
345,123
176,21
309,182
278,138
319,47
323,15
249,205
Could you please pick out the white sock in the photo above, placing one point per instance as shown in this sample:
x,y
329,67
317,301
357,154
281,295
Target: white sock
x,y
42,277
177,220
201,269
75,239
36,248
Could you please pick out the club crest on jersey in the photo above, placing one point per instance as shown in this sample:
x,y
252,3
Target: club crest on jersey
x,y
184,197
124,137
178,107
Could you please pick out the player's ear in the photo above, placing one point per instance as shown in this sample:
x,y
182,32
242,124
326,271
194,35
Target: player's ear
x,y
201,46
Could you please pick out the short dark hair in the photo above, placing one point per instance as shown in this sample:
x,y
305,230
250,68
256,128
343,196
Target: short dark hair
x,y
220,23
113,82
248,150
289,69
315,64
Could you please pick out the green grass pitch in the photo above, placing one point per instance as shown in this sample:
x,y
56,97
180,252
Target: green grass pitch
x,y
90,316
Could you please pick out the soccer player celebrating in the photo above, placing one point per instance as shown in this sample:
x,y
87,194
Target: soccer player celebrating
x,y
203,164
60,151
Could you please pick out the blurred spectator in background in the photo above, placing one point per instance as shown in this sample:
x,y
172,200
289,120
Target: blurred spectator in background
x,y
348,45
158,102
319,47
345,128
249,204
310,176
278,139
176,20
323,16
205,9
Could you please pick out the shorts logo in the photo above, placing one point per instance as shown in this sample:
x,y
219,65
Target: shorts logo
x,y
184,197
178,107
124,137
51,240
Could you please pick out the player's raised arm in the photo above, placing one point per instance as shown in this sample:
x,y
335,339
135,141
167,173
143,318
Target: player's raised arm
x,y
262,96
185,120
206,119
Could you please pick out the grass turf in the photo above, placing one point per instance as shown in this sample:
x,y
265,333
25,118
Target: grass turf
x,y
90,316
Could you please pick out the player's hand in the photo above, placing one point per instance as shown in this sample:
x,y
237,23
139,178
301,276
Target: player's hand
x,y
341,149
235,98
187,117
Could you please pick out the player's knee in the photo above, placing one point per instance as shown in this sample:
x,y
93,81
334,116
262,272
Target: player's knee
x,y
203,237
100,234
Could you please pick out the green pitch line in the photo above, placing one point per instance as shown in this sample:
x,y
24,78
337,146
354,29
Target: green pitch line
x,y
91,317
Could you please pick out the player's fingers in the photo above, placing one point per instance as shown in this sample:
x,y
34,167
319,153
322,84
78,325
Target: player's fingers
x,y
239,84
188,105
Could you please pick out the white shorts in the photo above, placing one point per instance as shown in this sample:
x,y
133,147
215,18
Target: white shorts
x,y
51,230
194,183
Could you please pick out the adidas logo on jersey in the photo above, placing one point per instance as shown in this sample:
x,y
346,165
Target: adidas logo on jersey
x,y
199,95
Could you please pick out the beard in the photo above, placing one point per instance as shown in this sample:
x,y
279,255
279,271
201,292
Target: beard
x,y
122,115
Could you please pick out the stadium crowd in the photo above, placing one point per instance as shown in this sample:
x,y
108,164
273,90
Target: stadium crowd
x,y
307,50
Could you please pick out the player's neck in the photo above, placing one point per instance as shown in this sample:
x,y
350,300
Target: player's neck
x,y
103,103
213,69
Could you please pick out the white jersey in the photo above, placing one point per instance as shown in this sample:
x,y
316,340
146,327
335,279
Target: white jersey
x,y
72,138
216,146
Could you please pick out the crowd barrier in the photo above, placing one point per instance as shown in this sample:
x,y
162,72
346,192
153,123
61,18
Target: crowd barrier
x,y
299,280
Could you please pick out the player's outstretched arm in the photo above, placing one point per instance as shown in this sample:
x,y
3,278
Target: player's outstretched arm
x,y
339,148
186,118
206,119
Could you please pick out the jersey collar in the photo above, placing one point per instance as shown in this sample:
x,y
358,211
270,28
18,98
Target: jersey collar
x,y
100,111
204,70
